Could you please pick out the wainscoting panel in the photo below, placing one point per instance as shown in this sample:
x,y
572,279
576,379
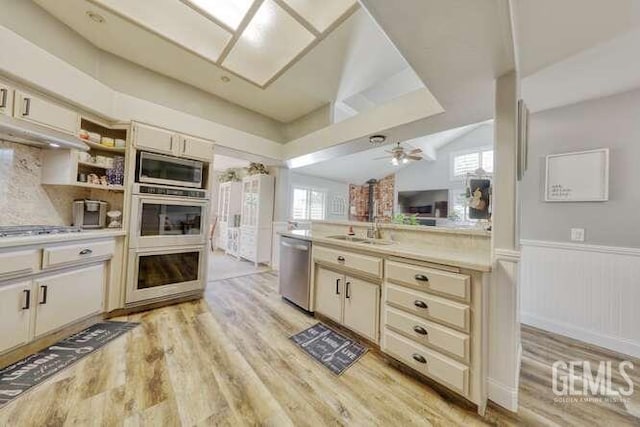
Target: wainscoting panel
x,y
590,293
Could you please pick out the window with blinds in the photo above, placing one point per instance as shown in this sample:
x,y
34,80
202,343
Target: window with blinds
x,y
308,204
468,162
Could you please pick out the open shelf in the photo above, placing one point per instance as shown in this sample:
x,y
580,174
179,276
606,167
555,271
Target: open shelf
x,y
93,165
100,186
101,147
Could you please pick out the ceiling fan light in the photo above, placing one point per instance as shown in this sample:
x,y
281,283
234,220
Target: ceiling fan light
x,y
394,161
405,160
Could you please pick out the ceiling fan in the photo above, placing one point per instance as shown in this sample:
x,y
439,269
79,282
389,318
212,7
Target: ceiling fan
x,y
399,155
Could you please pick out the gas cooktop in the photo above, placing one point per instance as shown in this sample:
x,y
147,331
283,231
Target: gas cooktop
x,y
35,230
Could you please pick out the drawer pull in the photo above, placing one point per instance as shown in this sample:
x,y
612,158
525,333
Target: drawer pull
x,y
420,304
341,258
27,299
346,292
85,252
337,286
27,107
5,96
44,295
420,330
419,358
421,278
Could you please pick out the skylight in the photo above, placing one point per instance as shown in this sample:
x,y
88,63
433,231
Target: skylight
x,y
227,12
253,39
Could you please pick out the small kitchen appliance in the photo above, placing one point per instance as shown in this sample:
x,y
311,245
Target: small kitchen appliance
x,y
90,213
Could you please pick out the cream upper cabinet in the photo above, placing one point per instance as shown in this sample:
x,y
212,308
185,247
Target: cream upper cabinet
x,y
38,110
329,289
361,301
196,148
156,139
66,297
6,99
146,137
15,306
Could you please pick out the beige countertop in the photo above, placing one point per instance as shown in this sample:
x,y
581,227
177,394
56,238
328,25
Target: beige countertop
x,y
462,258
8,242
464,230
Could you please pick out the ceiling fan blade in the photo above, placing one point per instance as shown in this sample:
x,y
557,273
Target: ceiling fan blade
x,y
382,158
415,151
414,157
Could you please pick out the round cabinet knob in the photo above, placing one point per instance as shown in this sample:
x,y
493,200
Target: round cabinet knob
x,y
420,304
420,330
341,258
419,358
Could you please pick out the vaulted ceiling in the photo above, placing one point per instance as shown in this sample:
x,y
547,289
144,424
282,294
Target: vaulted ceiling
x,y
281,58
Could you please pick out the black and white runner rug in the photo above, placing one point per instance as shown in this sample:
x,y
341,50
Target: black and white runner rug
x,y
19,377
333,350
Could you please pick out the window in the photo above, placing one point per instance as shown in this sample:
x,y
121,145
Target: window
x,y
466,162
308,204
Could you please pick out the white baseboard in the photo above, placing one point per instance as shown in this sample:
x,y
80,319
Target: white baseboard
x,y
502,395
619,345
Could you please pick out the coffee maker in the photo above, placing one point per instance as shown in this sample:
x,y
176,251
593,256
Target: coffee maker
x,y
89,213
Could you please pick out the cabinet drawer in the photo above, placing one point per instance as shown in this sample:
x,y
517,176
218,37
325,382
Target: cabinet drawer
x,y
58,255
428,333
447,371
428,306
14,264
429,279
369,265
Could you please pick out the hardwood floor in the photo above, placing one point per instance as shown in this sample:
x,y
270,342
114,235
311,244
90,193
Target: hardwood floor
x,y
228,361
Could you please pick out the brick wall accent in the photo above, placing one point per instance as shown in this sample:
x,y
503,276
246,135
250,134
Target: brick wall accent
x,y
383,194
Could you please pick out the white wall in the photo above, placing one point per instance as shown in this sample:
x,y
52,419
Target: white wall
x,y
434,175
333,188
589,290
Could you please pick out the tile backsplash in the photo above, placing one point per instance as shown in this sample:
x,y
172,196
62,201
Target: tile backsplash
x,y
23,200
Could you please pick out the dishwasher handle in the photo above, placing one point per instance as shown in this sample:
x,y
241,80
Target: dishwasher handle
x,y
298,247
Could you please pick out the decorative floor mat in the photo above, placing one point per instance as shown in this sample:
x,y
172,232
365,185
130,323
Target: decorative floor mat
x,y
19,377
331,349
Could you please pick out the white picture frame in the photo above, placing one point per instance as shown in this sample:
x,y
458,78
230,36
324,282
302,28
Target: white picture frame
x,y
581,176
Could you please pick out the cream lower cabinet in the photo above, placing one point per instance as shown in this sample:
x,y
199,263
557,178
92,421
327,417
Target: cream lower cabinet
x,y
15,306
67,297
349,301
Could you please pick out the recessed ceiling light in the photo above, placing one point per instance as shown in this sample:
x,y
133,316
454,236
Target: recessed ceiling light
x,y
377,139
225,79
95,17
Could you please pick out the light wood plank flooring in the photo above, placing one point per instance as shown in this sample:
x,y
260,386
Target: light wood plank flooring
x,y
228,361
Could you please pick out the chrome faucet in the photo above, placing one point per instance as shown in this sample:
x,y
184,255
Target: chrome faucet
x,y
373,232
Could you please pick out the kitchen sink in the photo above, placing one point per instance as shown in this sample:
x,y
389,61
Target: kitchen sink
x,y
361,240
377,242
347,238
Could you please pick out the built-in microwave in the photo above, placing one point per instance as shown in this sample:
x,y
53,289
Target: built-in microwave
x,y
152,168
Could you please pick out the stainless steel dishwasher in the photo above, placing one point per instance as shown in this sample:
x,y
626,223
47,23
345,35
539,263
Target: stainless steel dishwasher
x,y
295,271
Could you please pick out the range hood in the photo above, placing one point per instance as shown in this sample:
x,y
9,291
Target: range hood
x,y
24,132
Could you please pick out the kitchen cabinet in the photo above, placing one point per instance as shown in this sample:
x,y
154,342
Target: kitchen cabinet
x,y
258,192
229,204
349,301
196,148
155,139
6,99
15,306
37,110
329,288
361,302
66,297
165,141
